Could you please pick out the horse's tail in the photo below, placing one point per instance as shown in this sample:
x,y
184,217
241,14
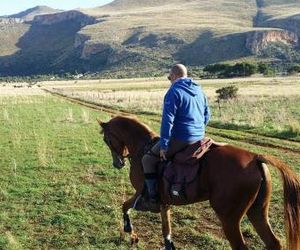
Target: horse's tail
x,y
291,200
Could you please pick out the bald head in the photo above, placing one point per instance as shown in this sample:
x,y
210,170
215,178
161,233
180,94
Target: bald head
x,y
179,70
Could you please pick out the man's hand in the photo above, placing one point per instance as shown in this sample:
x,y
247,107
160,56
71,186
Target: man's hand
x,y
163,154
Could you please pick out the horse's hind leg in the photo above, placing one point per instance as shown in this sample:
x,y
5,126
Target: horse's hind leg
x,y
126,219
259,220
258,212
230,215
231,227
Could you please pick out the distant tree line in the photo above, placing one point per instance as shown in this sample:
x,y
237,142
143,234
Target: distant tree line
x,y
244,69
218,70
40,78
77,76
221,70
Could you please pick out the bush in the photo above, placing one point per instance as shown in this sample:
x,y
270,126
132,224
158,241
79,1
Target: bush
x,y
263,68
227,93
294,69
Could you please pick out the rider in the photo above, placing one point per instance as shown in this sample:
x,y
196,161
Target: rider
x,y
185,115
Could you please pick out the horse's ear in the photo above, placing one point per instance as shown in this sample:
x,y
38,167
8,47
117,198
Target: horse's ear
x,y
102,124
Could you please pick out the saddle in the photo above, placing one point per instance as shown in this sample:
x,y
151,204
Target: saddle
x,y
178,174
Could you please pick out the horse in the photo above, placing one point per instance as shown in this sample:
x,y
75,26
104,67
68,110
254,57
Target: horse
x,y
235,181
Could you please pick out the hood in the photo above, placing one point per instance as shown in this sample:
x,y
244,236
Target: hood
x,y
188,85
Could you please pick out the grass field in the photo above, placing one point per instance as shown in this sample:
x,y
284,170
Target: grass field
x,y
58,188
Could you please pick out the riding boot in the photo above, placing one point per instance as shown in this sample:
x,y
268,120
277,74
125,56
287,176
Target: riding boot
x,y
152,200
151,185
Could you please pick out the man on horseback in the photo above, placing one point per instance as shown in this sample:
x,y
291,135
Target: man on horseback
x,y
185,115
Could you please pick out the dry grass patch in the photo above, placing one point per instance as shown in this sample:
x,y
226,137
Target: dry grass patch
x,y
21,91
263,104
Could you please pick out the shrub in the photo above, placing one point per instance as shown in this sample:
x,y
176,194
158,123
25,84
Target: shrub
x,y
227,93
294,69
263,68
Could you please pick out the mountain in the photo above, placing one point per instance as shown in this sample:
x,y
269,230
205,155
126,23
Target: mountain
x,y
14,27
139,37
29,14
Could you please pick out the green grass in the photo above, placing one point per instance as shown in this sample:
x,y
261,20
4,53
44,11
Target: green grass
x,y
58,189
270,116
52,176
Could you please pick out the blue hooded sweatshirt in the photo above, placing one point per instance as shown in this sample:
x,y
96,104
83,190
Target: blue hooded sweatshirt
x,y
185,113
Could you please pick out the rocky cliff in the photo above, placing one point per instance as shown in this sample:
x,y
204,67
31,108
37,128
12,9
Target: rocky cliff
x,y
259,40
290,23
9,21
51,19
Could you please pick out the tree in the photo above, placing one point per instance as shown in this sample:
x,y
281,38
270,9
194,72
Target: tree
x,y
243,69
263,68
226,70
217,69
226,93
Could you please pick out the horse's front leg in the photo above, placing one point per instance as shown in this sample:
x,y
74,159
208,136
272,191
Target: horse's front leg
x,y
166,227
126,219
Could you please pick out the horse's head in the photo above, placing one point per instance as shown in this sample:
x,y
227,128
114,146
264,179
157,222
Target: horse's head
x,y
114,141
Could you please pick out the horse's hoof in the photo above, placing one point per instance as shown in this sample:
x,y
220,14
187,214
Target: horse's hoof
x,y
134,239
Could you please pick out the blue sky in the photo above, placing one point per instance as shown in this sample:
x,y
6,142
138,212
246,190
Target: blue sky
x,y
8,7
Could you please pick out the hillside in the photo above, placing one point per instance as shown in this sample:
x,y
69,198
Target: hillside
x,y
285,15
29,14
142,36
13,27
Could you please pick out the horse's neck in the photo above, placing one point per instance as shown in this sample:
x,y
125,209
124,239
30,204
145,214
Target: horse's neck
x,y
136,152
136,147
137,142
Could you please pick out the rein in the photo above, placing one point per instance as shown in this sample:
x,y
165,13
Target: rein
x,y
146,149
108,142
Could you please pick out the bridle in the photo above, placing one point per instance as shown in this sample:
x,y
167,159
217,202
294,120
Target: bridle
x,y
144,150
110,145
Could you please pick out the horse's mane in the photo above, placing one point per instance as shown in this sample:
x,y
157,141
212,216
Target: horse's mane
x,y
130,122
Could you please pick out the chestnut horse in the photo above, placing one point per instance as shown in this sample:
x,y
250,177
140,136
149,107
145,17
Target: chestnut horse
x,y
235,181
